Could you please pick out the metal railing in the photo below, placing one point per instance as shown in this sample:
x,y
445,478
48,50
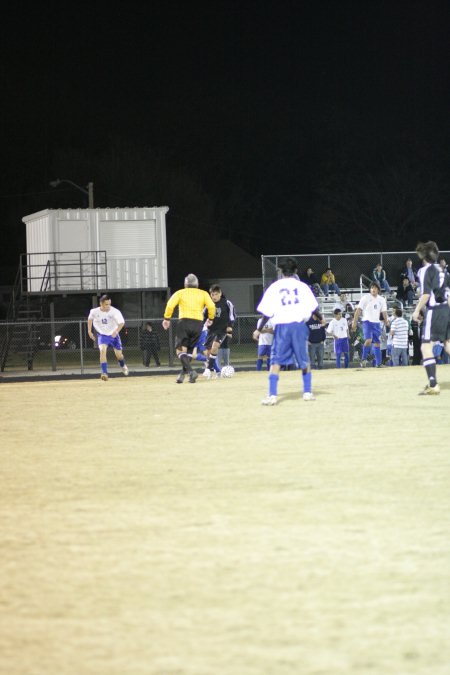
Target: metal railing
x,y
63,271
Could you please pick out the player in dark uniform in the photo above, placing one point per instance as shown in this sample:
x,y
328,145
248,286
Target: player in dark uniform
x,y
220,329
434,286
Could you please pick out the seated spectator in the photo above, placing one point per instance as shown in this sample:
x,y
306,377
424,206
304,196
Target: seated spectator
x,y
328,282
409,273
309,278
406,292
379,275
344,305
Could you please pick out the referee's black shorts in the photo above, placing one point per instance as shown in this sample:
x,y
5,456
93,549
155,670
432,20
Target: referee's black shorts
x,y
187,333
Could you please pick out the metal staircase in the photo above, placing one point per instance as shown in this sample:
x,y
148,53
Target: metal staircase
x,y
39,277
21,337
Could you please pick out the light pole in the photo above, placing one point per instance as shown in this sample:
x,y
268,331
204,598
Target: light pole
x,y
88,190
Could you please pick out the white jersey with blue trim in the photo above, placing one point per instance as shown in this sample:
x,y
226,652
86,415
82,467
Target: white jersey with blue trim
x,y
338,328
106,323
371,306
288,300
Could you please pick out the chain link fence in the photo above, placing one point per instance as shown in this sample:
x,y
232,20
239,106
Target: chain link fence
x,y
64,345
347,267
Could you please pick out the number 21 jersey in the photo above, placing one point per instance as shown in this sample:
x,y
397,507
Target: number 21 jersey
x,y
288,300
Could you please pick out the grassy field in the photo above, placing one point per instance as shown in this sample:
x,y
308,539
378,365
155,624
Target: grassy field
x,y
158,529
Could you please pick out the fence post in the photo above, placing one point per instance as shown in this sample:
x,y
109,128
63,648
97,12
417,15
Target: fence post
x,y
52,334
171,351
80,324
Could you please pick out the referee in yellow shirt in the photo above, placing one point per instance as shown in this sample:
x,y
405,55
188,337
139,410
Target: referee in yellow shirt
x,y
191,302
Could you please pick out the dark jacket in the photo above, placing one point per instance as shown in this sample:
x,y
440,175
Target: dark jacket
x,y
149,341
317,332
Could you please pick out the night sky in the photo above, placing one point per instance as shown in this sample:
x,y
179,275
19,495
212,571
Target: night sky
x,y
284,126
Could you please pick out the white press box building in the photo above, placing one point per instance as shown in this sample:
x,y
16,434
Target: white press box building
x,y
90,249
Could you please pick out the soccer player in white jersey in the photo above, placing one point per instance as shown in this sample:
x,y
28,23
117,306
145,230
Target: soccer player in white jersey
x,y
434,299
338,328
289,304
108,322
371,306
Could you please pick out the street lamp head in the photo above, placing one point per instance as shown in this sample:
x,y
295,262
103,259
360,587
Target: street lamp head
x,y
88,190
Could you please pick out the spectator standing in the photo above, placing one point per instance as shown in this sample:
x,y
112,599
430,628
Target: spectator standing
x,y
338,328
328,282
379,275
371,307
150,345
316,340
400,339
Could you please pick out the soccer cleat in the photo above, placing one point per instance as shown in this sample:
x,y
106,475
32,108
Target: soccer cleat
x,y
431,391
207,374
125,370
104,377
180,378
363,363
193,376
309,396
269,400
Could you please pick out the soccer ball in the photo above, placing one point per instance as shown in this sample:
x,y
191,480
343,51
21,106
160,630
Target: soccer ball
x,y
227,371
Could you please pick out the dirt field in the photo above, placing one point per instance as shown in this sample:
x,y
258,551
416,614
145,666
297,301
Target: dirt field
x,y
162,529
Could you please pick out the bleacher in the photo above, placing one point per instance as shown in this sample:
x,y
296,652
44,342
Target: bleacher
x,y
327,304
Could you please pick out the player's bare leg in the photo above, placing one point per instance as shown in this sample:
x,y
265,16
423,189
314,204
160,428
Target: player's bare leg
x,y
210,370
121,361
103,362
